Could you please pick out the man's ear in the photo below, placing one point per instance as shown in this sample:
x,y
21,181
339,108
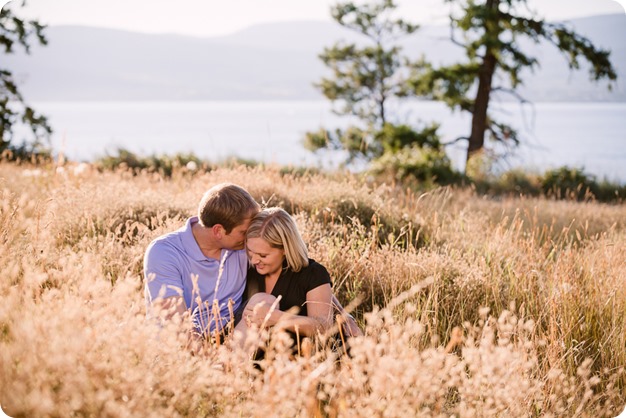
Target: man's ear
x,y
218,231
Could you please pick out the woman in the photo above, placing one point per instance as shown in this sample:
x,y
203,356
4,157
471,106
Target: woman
x,y
294,291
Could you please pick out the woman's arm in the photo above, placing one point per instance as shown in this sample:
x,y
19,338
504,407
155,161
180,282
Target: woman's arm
x,y
319,316
347,321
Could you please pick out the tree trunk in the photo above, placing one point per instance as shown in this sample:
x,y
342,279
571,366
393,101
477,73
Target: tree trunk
x,y
481,103
381,111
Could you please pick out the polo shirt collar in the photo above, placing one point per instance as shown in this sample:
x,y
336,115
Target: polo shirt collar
x,y
189,242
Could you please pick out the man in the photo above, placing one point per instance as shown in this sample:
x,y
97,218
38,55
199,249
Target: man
x,y
202,266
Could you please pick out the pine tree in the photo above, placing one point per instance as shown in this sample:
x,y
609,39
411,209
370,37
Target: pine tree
x,y
364,77
491,31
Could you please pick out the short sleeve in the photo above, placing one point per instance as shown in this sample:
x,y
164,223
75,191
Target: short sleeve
x,y
318,275
162,275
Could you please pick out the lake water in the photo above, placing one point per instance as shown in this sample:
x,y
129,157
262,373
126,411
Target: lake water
x,y
586,135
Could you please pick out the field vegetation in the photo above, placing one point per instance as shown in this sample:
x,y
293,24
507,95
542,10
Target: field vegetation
x,y
472,306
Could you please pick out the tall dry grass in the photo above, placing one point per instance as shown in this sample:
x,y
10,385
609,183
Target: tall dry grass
x,y
471,307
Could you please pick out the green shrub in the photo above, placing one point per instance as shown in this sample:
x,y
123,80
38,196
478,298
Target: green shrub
x,y
415,163
516,182
566,182
162,164
395,138
35,153
561,183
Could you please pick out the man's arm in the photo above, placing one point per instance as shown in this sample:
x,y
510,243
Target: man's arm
x,y
169,308
163,282
174,309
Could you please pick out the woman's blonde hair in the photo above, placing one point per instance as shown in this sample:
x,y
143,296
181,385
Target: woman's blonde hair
x,y
278,228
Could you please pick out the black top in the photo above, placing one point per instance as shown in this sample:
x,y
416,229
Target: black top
x,y
292,286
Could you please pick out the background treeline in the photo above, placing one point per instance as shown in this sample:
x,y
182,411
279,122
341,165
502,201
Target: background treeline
x,y
372,69
559,183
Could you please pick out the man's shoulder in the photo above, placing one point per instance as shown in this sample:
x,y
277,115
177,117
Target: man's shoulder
x,y
169,240
238,256
161,251
168,243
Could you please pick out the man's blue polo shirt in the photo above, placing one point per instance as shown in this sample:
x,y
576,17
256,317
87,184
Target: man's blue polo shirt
x,y
174,261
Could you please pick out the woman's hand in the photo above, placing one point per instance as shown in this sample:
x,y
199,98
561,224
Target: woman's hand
x,y
257,313
262,310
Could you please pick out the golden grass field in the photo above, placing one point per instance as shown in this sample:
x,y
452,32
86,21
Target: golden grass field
x,y
471,307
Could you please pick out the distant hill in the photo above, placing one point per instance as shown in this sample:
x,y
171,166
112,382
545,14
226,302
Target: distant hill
x,y
264,62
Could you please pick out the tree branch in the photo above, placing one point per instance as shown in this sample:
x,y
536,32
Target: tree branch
x,y
454,141
512,92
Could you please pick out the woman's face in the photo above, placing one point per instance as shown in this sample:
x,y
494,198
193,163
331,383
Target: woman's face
x,y
266,259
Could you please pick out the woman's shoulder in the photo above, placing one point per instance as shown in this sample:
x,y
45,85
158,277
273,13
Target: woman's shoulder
x,y
317,271
315,266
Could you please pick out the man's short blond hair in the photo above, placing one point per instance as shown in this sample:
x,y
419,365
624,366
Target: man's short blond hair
x,y
226,204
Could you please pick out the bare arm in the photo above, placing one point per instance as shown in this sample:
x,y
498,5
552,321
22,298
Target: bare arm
x,y
347,321
318,319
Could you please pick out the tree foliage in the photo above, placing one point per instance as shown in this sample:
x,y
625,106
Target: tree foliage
x,y
491,32
16,32
364,79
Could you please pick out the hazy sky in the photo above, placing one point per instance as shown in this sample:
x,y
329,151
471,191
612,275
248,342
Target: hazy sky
x,y
211,17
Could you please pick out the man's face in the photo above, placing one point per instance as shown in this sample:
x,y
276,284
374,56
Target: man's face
x,y
236,240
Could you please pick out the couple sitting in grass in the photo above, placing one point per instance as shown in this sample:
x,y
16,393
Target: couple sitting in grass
x,y
235,264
